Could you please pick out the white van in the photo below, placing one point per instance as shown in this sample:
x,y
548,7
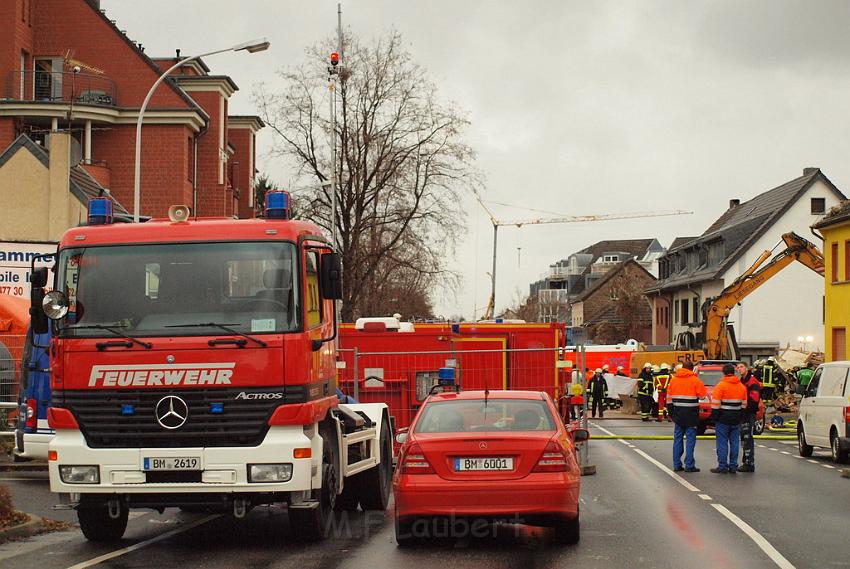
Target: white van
x,y
824,414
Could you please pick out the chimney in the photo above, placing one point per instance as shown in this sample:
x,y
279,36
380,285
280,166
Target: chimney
x,y
734,203
810,170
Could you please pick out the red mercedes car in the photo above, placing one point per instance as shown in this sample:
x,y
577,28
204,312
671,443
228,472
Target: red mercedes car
x,y
710,372
476,457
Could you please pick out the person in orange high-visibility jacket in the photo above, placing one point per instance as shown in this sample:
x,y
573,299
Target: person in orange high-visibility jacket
x,y
683,395
728,401
662,382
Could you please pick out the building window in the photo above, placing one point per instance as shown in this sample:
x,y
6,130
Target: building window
x,y
839,344
847,260
685,318
696,309
834,260
610,258
676,311
818,206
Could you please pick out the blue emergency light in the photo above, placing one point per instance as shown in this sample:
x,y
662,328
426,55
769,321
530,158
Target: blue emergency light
x,y
128,410
455,328
277,204
446,376
100,211
217,407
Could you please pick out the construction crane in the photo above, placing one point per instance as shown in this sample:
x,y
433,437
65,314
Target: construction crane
x,y
718,344
491,303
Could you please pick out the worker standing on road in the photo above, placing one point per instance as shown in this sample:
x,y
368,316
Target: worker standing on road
x,y
727,407
662,382
683,397
804,376
576,400
598,391
769,375
748,420
621,372
646,385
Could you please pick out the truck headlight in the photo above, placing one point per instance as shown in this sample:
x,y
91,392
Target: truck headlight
x,y
258,473
76,474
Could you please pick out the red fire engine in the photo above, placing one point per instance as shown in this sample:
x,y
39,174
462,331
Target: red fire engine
x,y
193,365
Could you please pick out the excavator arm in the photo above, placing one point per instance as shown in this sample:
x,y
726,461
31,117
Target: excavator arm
x,y
718,308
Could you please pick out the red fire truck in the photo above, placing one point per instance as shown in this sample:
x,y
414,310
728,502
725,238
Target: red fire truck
x,y
398,362
193,365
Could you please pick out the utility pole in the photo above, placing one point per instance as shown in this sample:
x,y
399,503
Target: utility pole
x,y
333,73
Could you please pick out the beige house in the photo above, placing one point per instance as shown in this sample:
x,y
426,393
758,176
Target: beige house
x,y
41,192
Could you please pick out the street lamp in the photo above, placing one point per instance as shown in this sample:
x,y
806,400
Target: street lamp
x,y
252,46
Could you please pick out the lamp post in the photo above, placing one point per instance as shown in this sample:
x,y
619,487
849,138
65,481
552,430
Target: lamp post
x,y
252,46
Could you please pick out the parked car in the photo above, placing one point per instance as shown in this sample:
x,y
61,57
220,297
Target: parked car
x,y
491,456
824,412
710,372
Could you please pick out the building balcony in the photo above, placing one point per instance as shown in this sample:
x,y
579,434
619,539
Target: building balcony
x,y
60,87
553,296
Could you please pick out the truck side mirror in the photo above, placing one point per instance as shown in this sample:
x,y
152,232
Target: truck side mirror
x,y
331,275
38,319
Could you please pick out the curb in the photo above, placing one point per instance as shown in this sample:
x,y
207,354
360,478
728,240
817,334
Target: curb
x,y
26,529
23,466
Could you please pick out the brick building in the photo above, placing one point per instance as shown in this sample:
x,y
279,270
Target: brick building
x,y
64,65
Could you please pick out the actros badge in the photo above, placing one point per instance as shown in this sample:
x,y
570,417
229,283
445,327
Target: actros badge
x,y
171,412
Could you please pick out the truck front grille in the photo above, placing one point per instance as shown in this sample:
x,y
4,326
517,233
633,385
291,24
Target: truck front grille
x,y
126,418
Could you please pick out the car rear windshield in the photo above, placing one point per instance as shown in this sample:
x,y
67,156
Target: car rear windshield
x,y
476,416
710,377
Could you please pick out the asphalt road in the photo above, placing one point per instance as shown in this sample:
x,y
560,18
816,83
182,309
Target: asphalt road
x,y
635,513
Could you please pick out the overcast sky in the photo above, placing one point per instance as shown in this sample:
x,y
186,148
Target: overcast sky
x,y
577,107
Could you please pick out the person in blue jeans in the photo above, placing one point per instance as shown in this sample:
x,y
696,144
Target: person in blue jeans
x,y
727,407
683,395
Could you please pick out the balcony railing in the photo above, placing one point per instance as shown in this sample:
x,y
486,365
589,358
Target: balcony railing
x,y
60,87
553,296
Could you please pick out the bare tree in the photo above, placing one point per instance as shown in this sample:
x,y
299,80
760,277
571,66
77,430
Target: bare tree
x,y
401,167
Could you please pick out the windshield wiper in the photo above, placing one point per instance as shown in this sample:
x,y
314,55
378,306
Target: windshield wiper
x,y
110,328
225,327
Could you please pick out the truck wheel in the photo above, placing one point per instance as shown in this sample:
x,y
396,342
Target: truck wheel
x,y
838,455
349,499
96,523
567,532
803,448
375,483
310,524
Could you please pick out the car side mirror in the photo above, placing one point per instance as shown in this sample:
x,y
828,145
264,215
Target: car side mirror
x,y
580,435
38,278
402,436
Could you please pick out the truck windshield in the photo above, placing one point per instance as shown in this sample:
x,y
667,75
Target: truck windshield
x,y
146,289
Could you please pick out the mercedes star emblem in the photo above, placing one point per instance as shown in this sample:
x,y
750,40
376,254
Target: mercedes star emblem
x,y
171,412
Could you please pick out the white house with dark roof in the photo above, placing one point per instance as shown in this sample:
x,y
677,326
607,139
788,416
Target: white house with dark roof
x,y
787,306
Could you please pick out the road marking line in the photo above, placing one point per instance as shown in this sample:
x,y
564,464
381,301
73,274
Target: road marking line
x,y
663,468
797,456
705,496
621,440
759,539
141,544
813,461
785,452
827,466
761,446
771,448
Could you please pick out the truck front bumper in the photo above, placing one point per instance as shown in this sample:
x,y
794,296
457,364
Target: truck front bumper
x,y
221,469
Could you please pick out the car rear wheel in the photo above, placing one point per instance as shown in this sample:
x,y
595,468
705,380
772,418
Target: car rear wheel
x,y
838,455
407,532
567,532
802,447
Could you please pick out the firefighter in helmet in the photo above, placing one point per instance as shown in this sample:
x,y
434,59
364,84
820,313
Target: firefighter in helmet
x,y
662,382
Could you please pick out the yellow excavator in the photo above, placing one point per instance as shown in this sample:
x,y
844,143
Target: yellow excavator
x,y
717,338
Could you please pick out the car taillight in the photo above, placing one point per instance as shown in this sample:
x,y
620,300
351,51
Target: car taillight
x,y
553,459
32,413
414,462
847,414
